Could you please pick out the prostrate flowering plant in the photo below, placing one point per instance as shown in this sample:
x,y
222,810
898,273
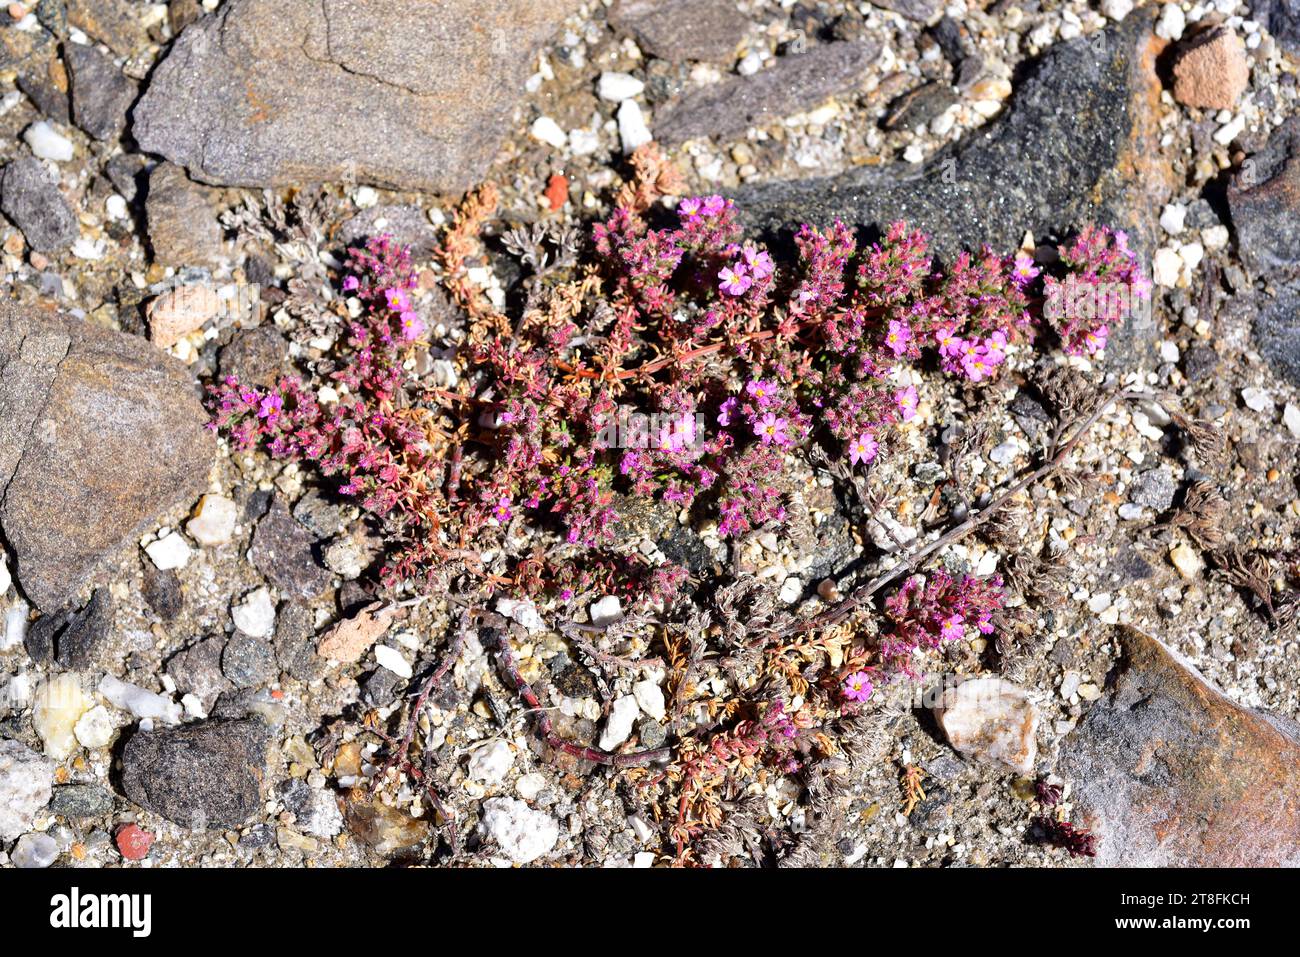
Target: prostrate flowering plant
x,y
751,363
691,321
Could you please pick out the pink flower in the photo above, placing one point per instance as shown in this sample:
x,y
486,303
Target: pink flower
x,y
952,628
726,410
762,392
1094,340
857,686
351,284
759,262
398,300
985,622
503,513
712,205
735,280
412,326
270,407
907,400
863,449
898,337
975,361
689,208
946,337
1024,271
771,429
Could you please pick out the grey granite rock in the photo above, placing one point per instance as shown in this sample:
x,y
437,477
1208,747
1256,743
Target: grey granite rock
x,y
211,774
413,94
285,552
796,82
32,200
1076,144
99,434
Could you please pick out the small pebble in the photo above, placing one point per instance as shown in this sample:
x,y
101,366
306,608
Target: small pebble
x,y
214,522
632,129
255,615
48,143
390,658
546,130
34,852
618,726
616,87
169,552
492,762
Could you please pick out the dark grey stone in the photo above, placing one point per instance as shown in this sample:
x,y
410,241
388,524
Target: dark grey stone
x,y
101,94
1039,167
284,551
197,671
380,688
1277,332
295,642
1282,17
126,172
32,200
162,591
678,30
248,662
80,801
411,94
204,775
319,515
183,229
45,83
796,82
1264,199
920,105
99,435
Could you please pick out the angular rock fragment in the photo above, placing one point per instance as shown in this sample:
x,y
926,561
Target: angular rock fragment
x,y
101,94
411,94
284,551
1211,71
1169,772
993,720
1264,199
678,30
32,200
183,229
797,82
99,434
25,778
205,775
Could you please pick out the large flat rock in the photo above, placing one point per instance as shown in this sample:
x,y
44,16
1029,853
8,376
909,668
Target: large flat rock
x,y
409,94
1077,144
1169,772
99,434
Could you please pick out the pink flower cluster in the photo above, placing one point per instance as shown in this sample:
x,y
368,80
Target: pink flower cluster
x,y
1103,285
926,612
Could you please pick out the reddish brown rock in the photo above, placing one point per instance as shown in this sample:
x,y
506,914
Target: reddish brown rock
x,y
1211,71
1169,772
